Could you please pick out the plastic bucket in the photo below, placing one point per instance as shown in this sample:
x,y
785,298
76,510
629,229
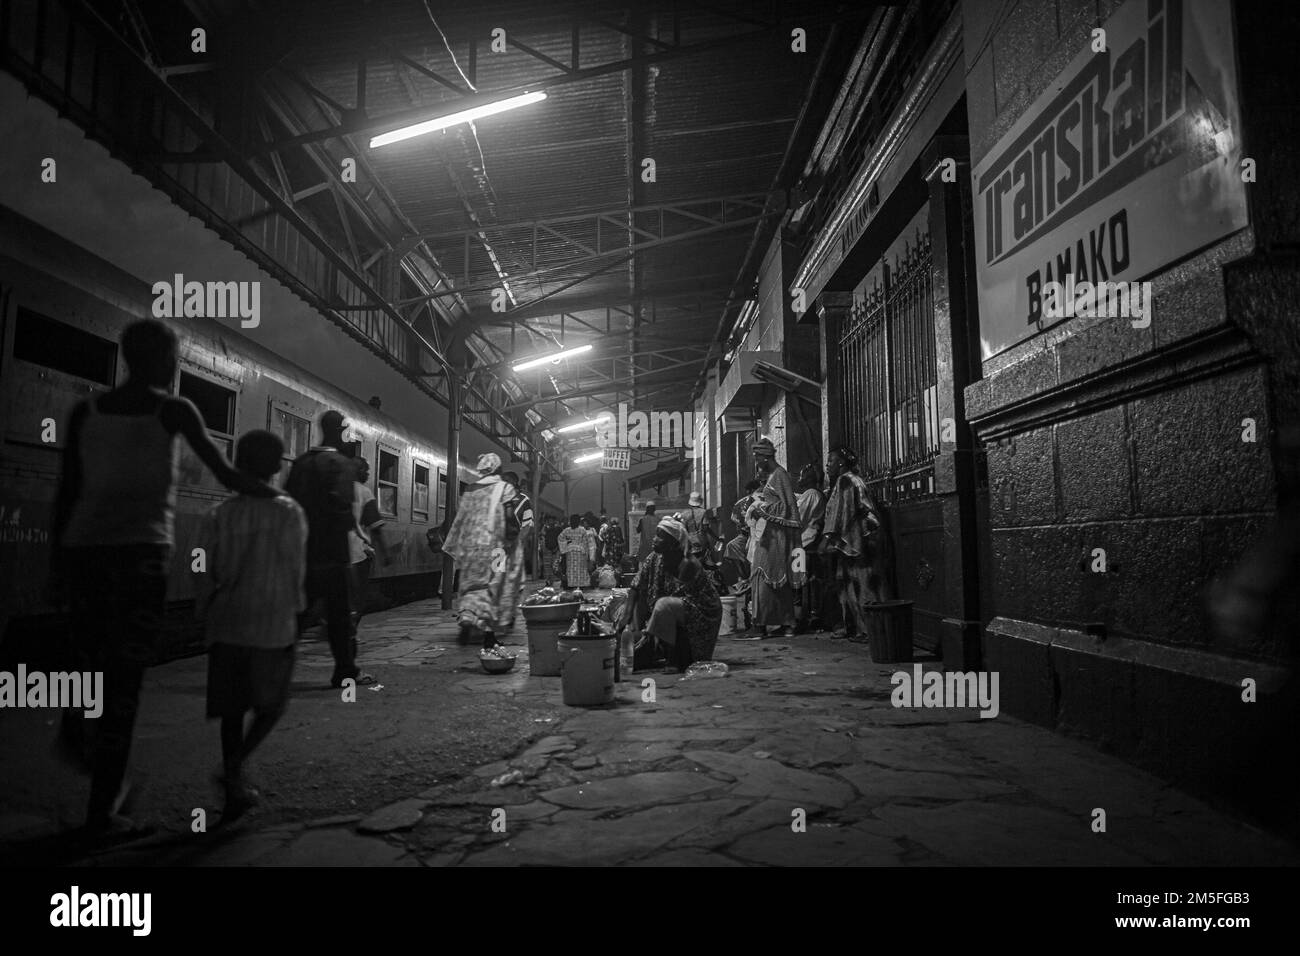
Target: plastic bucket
x,y
543,654
889,631
728,625
587,676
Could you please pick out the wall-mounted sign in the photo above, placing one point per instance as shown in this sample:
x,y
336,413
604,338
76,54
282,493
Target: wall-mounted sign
x,y
1129,161
616,459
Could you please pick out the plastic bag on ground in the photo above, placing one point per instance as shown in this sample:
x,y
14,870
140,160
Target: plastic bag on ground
x,y
705,669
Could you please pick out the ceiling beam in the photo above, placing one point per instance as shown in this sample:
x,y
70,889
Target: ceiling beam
x,y
358,125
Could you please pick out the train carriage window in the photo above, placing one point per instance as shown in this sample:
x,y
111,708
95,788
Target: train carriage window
x,y
442,495
420,493
44,341
215,402
216,405
386,482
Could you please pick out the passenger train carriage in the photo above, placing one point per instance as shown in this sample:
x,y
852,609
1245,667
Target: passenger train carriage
x,y
62,312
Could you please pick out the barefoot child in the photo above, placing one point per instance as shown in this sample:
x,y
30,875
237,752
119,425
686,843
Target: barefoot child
x,y
249,598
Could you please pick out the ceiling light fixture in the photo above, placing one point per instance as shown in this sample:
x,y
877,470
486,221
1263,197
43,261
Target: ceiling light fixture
x,y
592,457
578,426
554,357
452,119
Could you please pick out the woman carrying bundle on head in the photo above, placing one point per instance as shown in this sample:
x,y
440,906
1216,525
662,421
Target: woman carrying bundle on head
x,y
486,541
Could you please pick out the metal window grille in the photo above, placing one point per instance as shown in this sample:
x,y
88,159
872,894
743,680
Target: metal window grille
x,y
888,390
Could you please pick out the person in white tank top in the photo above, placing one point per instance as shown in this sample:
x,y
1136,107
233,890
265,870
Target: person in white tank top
x,y
113,532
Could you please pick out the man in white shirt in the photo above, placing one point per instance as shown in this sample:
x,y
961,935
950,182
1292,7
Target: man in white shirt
x,y
365,538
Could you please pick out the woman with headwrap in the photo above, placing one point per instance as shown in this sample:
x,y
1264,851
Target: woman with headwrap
x,y
573,549
675,598
776,531
857,541
488,558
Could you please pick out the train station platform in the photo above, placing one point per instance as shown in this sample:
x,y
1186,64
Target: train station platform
x,y
713,771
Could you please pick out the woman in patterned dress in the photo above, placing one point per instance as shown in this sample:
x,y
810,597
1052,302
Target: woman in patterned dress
x,y
573,548
488,553
675,598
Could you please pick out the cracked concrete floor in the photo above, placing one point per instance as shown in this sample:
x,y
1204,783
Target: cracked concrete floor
x,y
795,758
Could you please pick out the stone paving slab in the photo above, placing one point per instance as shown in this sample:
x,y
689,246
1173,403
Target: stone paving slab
x,y
640,789
715,772
397,816
771,778
879,785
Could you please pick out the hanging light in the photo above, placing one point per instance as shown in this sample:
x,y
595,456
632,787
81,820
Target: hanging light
x,y
453,119
579,426
554,357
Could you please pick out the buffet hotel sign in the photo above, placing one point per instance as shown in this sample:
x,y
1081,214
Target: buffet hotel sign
x,y
616,459
1131,160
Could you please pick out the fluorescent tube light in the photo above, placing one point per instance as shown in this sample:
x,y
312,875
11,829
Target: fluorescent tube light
x,y
452,119
592,457
578,426
555,357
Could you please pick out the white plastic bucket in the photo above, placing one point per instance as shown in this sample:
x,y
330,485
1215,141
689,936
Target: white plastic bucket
x,y
543,655
728,625
587,675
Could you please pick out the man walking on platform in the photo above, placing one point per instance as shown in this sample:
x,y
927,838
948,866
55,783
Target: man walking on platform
x,y
113,535
321,482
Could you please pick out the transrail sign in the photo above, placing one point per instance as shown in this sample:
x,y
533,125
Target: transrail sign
x,y
616,459
1129,161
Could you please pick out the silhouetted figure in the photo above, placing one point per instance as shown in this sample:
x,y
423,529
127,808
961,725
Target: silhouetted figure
x,y
321,482
249,599
646,533
113,541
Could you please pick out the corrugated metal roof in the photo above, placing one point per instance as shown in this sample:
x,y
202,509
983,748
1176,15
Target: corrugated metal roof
x,y
716,121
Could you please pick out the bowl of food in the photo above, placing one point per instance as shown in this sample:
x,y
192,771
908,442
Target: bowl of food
x,y
496,661
549,606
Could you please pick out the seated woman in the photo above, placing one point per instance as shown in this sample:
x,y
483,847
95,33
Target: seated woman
x,y
675,598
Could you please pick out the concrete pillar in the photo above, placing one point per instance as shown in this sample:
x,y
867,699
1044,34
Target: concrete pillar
x,y
956,367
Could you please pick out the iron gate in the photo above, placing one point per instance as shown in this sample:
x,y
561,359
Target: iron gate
x,y
888,386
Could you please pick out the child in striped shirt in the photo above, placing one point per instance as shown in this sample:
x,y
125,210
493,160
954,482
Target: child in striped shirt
x,y
249,597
